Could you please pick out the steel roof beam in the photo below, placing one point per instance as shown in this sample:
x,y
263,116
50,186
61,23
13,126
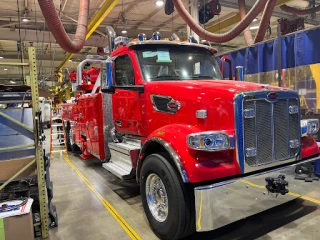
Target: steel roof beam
x,y
236,18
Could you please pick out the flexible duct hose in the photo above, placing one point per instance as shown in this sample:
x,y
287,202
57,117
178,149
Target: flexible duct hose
x,y
243,12
57,29
265,20
219,38
296,11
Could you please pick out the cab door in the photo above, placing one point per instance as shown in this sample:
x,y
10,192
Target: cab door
x,y
126,101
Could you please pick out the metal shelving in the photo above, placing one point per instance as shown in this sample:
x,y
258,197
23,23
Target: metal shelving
x,y
41,162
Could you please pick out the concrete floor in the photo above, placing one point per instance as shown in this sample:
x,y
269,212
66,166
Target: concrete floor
x,y
83,217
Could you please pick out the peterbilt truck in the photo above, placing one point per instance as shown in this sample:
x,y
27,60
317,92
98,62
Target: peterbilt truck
x,y
205,151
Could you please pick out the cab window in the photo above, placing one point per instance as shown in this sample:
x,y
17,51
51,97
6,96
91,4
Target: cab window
x,y
124,74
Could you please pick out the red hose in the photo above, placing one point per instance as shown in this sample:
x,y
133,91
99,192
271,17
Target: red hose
x,y
297,11
265,20
220,38
243,12
57,29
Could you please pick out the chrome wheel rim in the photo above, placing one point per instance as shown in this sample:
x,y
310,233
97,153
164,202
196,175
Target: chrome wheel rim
x,y
157,198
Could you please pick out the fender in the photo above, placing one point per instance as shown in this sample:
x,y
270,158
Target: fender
x,y
193,165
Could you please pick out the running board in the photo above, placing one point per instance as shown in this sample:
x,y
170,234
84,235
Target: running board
x,y
122,156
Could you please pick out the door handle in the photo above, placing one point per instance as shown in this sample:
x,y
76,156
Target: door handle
x,y
119,123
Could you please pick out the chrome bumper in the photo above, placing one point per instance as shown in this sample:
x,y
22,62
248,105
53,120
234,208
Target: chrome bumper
x,y
220,204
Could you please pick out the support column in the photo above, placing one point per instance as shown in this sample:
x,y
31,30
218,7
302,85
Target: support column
x,y
194,12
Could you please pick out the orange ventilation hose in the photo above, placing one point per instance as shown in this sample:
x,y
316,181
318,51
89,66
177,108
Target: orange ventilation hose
x,y
243,12
219,38
297,11
265,20
57,29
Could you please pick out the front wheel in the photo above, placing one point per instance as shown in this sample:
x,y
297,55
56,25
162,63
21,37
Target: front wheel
x,y
165,198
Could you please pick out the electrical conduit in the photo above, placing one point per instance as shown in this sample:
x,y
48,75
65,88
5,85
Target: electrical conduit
x,y
220,38
57,29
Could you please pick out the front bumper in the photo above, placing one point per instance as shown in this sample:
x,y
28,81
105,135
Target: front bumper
x,y
220,204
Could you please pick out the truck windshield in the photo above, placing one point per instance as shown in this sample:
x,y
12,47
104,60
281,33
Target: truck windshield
x,y
177,62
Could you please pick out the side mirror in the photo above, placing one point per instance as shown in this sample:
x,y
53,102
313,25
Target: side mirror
x,y
107,85
227,59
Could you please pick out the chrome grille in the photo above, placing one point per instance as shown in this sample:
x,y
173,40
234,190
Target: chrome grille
x,y
270,131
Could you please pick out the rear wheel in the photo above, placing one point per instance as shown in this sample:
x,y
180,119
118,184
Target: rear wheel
x,y
165,199
67,131
70,140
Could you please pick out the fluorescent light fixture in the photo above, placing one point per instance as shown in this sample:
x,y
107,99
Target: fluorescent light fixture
x,y
124,31
254,20
254,27
13,82
25,20
1,57
6,69
159,3
70,60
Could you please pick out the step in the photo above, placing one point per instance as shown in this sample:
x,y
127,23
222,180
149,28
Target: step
x,y
119,169
58,144
62,150
57,133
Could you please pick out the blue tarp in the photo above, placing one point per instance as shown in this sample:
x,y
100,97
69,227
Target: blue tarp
x,y
298,49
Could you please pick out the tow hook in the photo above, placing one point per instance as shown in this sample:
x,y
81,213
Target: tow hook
x,y
277,185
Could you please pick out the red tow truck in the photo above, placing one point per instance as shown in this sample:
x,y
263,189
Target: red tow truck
x,y
205,151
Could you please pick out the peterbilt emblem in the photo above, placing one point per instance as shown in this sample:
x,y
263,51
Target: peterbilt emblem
x,y
173,106
273,96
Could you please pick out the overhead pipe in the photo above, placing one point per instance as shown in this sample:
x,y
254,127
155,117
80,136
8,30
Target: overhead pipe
x,y
54,23
297,11
265,20
220,38
243,12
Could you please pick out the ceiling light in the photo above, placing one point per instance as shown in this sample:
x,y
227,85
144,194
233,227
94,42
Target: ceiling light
x,y
13,82
190,58
254,28
124,31
254,20
159,3
25,20
1,57
6,69
70,60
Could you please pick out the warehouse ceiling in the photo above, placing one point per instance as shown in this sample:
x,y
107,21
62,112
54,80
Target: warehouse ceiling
x,y
133,15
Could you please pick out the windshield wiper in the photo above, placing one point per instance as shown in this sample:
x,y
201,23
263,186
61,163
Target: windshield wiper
x,y
201,76
167,76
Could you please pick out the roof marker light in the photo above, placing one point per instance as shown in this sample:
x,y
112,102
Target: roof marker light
x,y
156,36
142,37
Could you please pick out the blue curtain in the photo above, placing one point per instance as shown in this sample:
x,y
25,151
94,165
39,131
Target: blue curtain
x,y
299,49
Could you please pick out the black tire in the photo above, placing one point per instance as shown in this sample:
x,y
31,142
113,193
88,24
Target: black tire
x,y
67,130
180,221
71,147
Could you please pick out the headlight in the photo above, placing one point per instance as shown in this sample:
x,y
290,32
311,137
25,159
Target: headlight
x,y
210,141
309,127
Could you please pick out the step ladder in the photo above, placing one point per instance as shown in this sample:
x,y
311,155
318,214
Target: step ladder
x,y
57,133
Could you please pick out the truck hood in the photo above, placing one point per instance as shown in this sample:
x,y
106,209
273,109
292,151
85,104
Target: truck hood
x,y
215,96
